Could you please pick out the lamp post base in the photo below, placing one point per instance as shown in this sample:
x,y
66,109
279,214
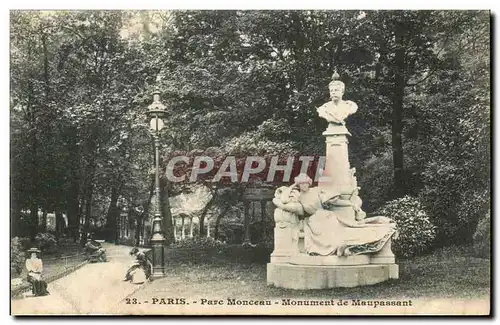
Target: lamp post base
x,y
158,275
158,244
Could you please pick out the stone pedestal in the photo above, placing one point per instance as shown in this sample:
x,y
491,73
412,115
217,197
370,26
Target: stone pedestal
x,y
292,270
305,259
336,174
306,277
285,244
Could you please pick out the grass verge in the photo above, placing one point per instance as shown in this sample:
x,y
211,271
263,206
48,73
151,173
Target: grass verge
x,y
447,273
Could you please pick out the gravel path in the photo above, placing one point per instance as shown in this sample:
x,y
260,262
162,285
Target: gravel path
x,y
93,289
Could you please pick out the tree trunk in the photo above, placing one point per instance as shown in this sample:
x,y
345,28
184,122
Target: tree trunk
x,y
263,216
80,229
73,197
43,222
43,226
217,221
246,223
204,213
397,114
88,212
87,207
138,231
168,227
73,209
33,172
112,215
59,223
129,219
33,220
34,188
47,109
90,153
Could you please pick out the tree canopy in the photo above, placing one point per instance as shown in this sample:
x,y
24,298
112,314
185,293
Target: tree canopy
x,y
247,83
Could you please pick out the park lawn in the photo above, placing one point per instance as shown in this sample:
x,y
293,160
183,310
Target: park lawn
x,y
447,273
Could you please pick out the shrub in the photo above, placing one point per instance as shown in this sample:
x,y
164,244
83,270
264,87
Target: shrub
x,y
25,243
16,256
416,232
46,242
198,243
482,237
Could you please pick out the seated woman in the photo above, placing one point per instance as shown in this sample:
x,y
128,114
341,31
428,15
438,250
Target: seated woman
x,y
332,224
140,271
95,252
34,266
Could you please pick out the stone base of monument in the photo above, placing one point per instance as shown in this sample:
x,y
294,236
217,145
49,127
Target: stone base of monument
x,y
305,259
304,277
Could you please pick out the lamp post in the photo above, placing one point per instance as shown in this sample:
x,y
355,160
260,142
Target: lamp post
x,y
156,112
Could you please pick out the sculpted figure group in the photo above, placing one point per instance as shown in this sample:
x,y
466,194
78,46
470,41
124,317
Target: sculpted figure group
x,y
328,230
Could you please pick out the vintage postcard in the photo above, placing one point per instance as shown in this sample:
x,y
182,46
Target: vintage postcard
x,y
239,162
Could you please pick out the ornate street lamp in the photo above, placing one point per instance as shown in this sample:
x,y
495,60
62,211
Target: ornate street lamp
x,y
156,113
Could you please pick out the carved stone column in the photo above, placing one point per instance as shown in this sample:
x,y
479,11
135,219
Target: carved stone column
x,y
175,227
208,228
191,227
183,232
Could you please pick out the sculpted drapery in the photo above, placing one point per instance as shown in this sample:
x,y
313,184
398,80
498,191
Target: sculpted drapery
x,y
328,231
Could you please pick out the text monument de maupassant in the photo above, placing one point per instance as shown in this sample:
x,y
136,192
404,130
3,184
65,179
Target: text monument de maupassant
x,y
322,237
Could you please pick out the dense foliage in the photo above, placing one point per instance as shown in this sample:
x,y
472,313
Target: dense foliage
x,y
416,231
16,257
243,83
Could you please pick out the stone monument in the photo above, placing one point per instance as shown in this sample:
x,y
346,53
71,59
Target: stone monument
x,y
322,237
